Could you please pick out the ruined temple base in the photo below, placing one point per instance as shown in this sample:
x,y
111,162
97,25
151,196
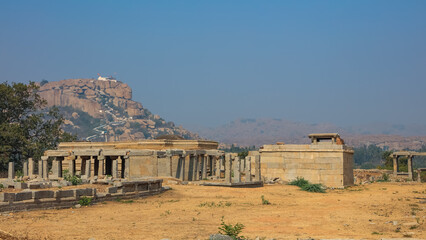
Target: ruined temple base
x,y
234,185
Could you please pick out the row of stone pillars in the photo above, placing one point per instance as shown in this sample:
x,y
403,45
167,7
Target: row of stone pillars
x,y
43,172
409,165
233,169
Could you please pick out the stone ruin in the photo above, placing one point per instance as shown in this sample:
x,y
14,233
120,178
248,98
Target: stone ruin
x,y
132,168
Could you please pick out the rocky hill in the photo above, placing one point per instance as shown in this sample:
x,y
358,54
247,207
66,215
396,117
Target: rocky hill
x,y
95,109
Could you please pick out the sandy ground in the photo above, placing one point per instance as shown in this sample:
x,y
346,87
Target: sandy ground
x,y
195,212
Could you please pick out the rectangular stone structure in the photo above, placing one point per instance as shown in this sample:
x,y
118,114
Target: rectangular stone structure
x,y
126,168
257,169
25,168
11,171
218,167
30,167
71,167
248,169
40,168
101,167
228,168
236,170
204,166
115,168
87,171
181,166
45,170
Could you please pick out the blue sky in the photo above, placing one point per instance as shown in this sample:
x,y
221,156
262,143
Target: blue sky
x,y
209,62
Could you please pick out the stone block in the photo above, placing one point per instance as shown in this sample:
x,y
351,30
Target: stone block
x,y
34,185
129,188
142,187
7,197
64,193
11,170
22,196
20,185
83,192
112,190
43,194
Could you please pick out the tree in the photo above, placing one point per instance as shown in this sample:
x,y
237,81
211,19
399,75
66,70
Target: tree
x,y
27,128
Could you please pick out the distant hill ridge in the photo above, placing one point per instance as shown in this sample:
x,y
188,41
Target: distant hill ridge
x,y
257,132
93,107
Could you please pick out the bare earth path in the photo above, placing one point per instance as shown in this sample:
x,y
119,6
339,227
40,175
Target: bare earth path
x,y
194,212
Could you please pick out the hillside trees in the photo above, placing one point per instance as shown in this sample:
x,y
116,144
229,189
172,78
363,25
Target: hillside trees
x,y
27,128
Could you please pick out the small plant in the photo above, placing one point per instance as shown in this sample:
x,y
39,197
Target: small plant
x,y
319,188
75,180
376,233
264,201
231,230
1,186
19,174
85,201
300,182
385,178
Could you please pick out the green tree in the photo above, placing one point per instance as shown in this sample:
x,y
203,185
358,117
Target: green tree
x,y
27,128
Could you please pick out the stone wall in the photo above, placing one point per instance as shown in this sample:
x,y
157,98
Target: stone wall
x,y
45,199
328,164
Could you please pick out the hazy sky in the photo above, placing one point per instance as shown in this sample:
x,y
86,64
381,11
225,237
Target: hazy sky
x,y
209,62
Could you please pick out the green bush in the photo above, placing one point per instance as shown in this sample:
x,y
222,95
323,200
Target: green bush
x,y
264,201
300,182
85,201
313,188
231,230
75,180
305,185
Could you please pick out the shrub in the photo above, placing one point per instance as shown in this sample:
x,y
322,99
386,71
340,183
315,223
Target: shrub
x,y
75,180
313,188
85,201
300,182
231,230
264,201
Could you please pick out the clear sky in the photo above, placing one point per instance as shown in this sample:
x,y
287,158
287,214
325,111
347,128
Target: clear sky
x,y
209,62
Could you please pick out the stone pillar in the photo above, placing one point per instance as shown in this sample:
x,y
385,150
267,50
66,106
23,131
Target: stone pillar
x,y
25,168
410,167
88,169
101,166
236,168
217,167
40,168
56,167
11,172
181,164
194,160
228,168
248,169
71,166
80,161
197,160
45,170
419,175
204,166
30,167
126,167
187,168
257,175
395,165
115,168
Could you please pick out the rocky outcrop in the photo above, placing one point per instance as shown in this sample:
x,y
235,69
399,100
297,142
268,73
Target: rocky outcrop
x,y
110,102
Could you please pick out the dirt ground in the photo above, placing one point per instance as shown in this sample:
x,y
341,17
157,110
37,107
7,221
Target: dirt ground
x,y
373,211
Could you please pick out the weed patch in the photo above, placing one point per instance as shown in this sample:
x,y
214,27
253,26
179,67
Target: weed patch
x,y
85,201
264,201
231,230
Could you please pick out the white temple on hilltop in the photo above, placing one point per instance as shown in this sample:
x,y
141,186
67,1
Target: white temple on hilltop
x,y
110,78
